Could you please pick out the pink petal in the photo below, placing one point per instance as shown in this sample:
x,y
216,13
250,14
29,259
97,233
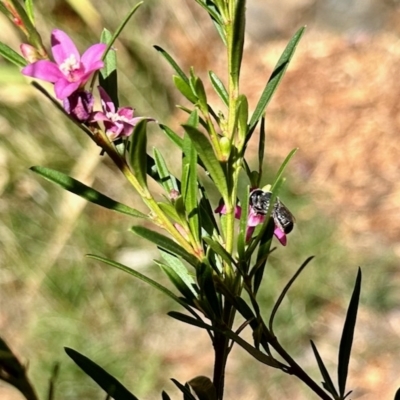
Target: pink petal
x,y
43,69
63,88
254,219
221,209
91,58
99,116
281,236
249,232
106,102
126,112
62,46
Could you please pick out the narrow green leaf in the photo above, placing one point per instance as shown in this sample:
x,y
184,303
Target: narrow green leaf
x,y
184,389
184,88
208,223
346,341
218,249
165,243
107,382
9,54
328,384
181,271
29,10
275,79
164,396
108,74
167,180
172,135
242,115
282,169
173,64
201,95
144,279
239,22
88,193
207,156
243,223
219,87
190,185
152,171
207,287
244,309
121,27
261,148
138,152
285,290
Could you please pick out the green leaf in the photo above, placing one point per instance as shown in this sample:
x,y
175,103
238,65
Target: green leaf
x,y
144,279
164,396
207,155
261,149
239,22
173,64
121,27
201,95
88,193
153,172
282,169
275,79
29,10
243,223
172,135
165,243
181,271
219,88
218,249
167,180
203,387
346,341
285,290
190,186
242,115
207,287
9,54
138,152
184,389
107,382
328,384
108,74
184,88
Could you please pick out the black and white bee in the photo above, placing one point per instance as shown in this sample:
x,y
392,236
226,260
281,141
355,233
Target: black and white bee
x,y
259,201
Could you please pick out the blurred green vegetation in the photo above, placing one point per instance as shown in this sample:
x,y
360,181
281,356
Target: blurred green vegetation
x,y
52,296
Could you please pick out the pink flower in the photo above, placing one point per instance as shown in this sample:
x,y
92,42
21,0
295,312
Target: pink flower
x,y
70,71
79,105
117,123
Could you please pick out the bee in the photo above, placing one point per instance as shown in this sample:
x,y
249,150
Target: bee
x,y
283,218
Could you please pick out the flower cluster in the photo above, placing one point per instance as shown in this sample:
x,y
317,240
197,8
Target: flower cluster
x,y
69,73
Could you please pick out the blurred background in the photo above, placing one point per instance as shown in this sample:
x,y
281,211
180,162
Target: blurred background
x,y
339,103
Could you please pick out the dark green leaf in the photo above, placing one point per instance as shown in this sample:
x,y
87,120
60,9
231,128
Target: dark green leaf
x,y
207,155
203,387
172,135
261,149
328,384
107,382
9,54
239,22
88,193
184,88
243,223
185,390
244,309
164,396
219,88
285,290
165,243
218,249
275,79
346,341
138,152
108,74
173,64
207,288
